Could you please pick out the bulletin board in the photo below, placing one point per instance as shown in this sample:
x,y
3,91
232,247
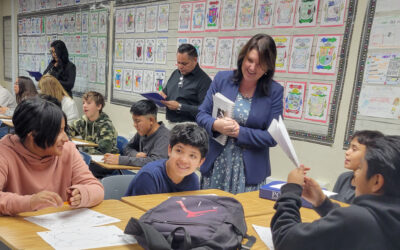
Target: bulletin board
x,y
312,38
375,103
84,28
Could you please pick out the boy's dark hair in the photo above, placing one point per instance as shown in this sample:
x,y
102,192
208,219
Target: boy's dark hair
x,y
189,49
40,117
366,137
54,100
96,97
383,157
190,134
144,107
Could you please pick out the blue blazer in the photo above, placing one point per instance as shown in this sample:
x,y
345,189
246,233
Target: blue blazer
x,y
253,138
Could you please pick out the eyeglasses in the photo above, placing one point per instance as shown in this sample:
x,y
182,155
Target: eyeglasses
x,y
180,83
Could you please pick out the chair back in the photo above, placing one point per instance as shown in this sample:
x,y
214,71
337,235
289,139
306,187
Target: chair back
x,y
86,157
121,142
115,186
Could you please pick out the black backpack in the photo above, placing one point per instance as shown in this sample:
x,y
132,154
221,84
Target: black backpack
x,y
192,222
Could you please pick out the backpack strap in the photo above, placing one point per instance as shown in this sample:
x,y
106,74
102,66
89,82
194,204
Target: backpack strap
x,y
187,240
250,242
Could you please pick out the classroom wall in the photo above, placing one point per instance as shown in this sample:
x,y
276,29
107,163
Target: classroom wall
x,y
326,162
5,10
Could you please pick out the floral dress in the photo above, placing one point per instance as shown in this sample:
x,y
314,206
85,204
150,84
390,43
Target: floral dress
x,y
228,172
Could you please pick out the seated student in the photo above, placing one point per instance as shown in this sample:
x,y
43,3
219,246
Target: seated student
x,y
150,142
188,145
371,222
344,186
49,85
39,167
7,100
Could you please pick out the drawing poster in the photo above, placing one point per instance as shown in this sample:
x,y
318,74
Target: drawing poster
x,y
129,50
137,80
379,101
161,50
119,20
92,71
326,54
382,68
237,47
307,13
119,50
264,13
139,47
212,15
84,44
185,15
150,49
387,5
224,55
294,99
118,78
332,12
101,71
159,80
130,20
103,16
78,22
197,42
102,47
181,40
198,16
382,33
245,14
300,54
148,80
127,79
94,22
284,13
140,19
318,100
163,16
85,22
93,47
151,18
228,14
282,52
209,51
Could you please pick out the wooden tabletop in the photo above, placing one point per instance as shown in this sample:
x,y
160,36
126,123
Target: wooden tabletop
x,y
83,143
115,166
18,233
7,122
253,205
5,117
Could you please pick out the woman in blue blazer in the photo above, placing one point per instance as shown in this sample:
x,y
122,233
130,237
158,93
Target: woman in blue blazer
x,y
243,164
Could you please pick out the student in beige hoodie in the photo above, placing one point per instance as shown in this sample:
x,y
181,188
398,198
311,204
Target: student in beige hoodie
x,y
39,167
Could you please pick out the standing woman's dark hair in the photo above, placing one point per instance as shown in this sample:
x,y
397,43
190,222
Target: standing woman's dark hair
x,y
266,48
26,88
61,52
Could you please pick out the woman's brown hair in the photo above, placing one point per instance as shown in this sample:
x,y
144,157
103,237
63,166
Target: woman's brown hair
x,y
26,89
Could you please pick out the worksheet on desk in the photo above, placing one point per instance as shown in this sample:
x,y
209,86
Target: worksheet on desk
x,y
84,238
79,143
77,218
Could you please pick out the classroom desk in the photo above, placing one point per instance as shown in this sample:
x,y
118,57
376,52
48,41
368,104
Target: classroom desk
x,y
253,205
18,233
83,143
7,122
5,117
115,166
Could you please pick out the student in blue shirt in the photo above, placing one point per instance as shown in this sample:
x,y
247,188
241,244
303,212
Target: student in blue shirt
x,y
187,149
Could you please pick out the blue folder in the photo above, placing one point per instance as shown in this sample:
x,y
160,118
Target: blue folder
x,y
36,74
155,97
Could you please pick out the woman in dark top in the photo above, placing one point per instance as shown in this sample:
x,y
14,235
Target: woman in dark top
x,y
61,67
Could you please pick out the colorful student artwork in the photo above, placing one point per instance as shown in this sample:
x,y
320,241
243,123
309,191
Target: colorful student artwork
x,y
282,52
118,78
198,16
307,13
294,99
264,13
197,42
78,22
119,20
333,12
181,40
85,22
129,49
209,51
137,80
238,45
93,47
159,79
326,54
119,50
140,19
161,50
94,22
101,71
212,15
224,55
380,101
284,13
148,80
228,14
382,68
245,14
129,20
127,79
139,47
103,16
300,54
150,50
185,16
318,100
151,18
163,16
92,71
382,33
102,47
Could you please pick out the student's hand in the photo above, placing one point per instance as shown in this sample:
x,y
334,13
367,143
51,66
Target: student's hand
x,y
297,175
141,155
3,110
171,105
312,192
45,199
111,159
163,94
74,197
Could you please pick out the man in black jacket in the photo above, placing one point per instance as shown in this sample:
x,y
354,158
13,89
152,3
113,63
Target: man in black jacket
x,y
371,222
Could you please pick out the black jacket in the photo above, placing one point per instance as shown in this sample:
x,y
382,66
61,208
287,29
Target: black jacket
x,y
65,74
371,222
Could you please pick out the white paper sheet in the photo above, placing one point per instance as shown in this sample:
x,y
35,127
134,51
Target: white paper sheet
x,y
97,158
83,238
265,235
79,142
77,218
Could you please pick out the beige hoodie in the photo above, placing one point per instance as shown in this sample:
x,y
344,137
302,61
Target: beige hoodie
x,y
23,174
